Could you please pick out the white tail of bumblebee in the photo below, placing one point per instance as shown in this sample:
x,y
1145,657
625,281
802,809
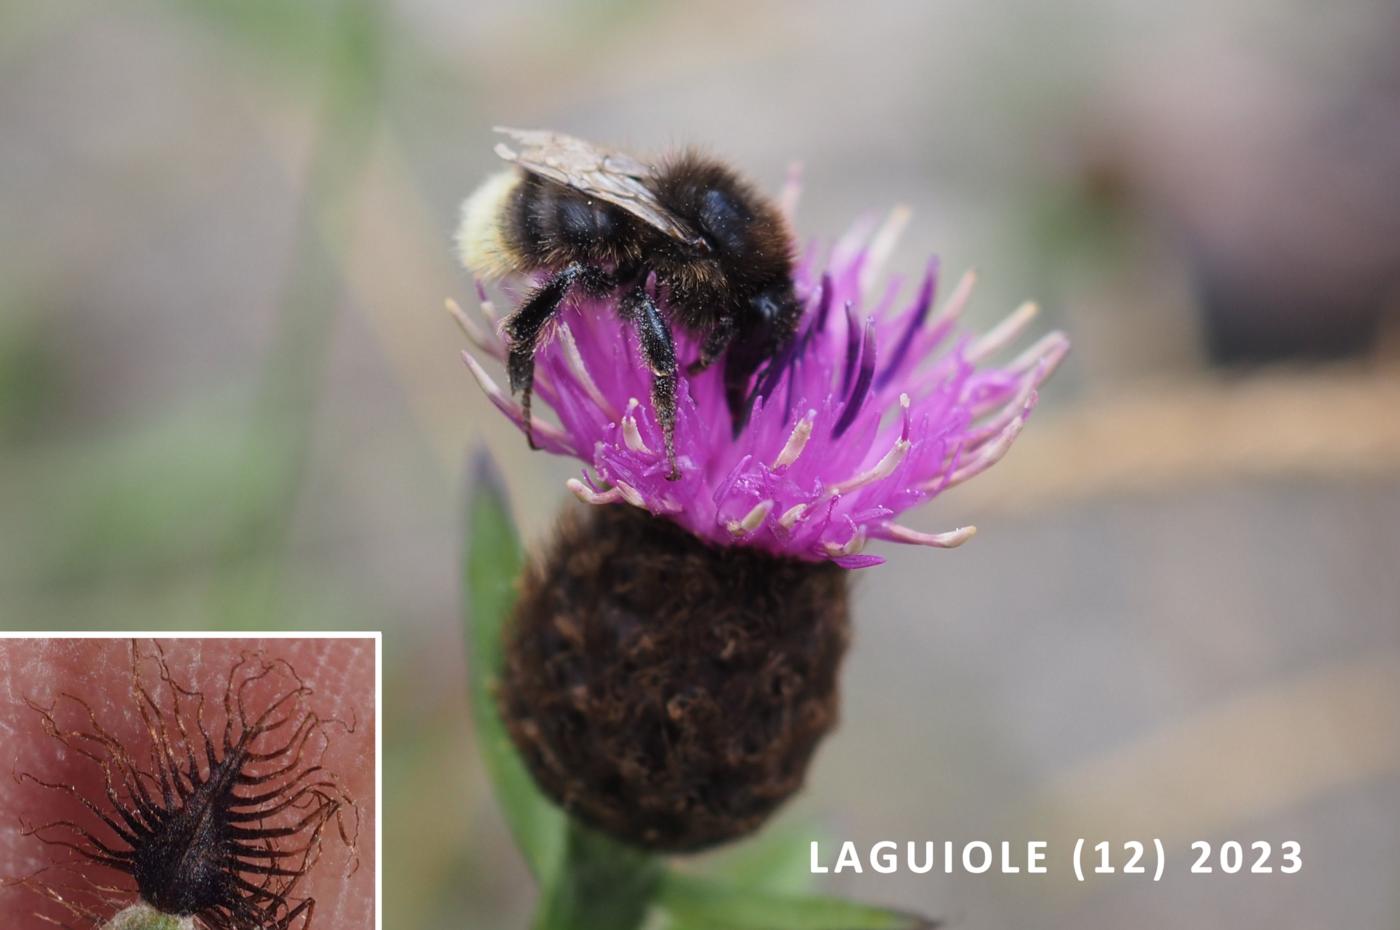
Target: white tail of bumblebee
x,y
481,247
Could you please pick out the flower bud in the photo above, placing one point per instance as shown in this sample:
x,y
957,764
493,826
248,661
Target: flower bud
x,y
665,690
144,917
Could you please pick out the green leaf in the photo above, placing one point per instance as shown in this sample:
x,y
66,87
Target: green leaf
x,y
776,860
704,904
602,885
491,564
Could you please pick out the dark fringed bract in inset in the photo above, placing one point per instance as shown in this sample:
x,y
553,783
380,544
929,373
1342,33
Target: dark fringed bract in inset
x,y
222,829
667,691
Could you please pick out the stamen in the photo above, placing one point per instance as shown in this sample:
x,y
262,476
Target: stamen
x,y
589,496
1005,413
881,470
543,432
790,516
1049,350
475,335
752,520
488,309
949,540
630,494
792,191
883,245
670,505
850,547
1003,333
957,301
796,442
992,452
848,248
630,434
574,358
483,380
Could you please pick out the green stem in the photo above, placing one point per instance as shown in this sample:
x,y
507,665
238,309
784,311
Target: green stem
x,y
602,886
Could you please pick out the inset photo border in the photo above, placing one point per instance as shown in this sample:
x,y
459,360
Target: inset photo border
x,y
228,780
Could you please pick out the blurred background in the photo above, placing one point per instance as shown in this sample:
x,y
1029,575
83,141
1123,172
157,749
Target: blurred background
x,y
230,397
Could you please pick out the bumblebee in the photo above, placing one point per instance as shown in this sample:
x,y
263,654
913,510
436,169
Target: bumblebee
x,y
683,240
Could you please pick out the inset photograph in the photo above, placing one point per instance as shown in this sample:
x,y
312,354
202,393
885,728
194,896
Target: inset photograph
x,y
187,782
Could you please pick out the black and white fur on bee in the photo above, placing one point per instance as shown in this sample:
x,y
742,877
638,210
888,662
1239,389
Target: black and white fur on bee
x,y
680,241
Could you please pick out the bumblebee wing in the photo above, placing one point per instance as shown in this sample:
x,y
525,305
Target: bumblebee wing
x,y
609,175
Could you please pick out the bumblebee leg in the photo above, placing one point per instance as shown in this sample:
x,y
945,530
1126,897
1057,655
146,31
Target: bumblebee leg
x,y
660,351
523,328
715,343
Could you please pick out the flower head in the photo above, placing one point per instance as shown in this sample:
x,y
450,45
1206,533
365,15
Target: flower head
x,y
876,406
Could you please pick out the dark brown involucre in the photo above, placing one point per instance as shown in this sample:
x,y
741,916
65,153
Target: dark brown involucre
x,y
665,691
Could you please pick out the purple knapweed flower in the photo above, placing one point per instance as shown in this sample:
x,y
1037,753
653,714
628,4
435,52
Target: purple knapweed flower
x,y
876,406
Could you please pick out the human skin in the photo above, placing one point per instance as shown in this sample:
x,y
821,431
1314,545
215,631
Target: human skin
x,y
99,671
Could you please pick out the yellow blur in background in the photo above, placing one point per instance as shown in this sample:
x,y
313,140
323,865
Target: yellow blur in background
x,y
230,399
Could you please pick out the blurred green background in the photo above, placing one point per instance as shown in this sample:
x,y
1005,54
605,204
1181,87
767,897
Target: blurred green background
x,y
229,397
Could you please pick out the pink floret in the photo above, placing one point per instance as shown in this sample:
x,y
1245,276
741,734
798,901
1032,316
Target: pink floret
x,y
878,406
